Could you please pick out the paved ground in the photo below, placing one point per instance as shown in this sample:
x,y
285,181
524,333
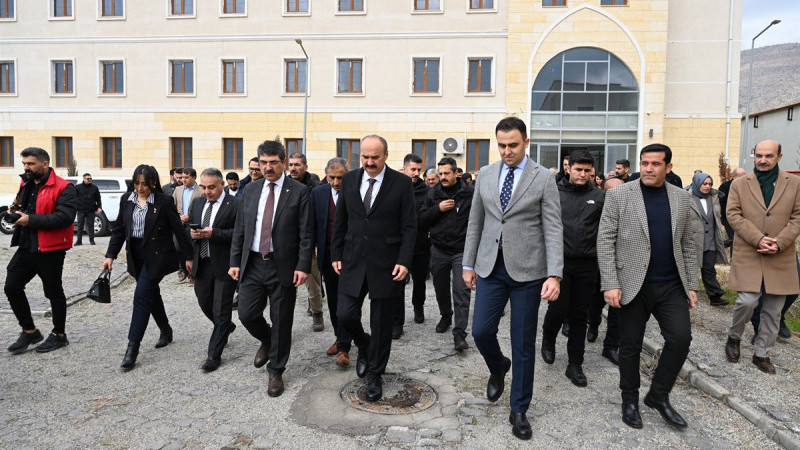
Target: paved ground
x,y
76,397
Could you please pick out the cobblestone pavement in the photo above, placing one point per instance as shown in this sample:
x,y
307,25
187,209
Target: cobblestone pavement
x,y
77,397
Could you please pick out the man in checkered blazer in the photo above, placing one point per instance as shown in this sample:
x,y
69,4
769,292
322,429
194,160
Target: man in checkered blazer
x,y
646,253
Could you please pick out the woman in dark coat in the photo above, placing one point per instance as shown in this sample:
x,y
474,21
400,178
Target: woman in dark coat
x,y
147,222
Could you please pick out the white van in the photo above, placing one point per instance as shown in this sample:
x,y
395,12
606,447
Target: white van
x,y
111,190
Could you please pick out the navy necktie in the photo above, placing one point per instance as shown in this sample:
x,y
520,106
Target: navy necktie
x,y
508,187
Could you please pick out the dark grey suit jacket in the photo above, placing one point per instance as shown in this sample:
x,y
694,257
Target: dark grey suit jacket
x,y
221,234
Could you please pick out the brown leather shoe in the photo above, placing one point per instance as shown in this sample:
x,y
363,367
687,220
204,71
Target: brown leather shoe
x,y
343,359
275,388
732,349
333,349
764,365
262,356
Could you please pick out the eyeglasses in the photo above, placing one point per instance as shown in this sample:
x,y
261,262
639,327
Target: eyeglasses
x,y
254,169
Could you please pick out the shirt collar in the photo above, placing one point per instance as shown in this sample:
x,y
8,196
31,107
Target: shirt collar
x,y
219,200
278,182
521,165
150,198
378,177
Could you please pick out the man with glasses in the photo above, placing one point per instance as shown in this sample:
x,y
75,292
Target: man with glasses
x,y
253,174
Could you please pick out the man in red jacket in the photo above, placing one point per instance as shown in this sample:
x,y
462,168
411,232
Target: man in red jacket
x,y
46,205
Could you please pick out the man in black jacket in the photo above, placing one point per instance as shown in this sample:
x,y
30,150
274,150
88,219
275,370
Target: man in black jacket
x,y
89,202
581,208
412,166
446,213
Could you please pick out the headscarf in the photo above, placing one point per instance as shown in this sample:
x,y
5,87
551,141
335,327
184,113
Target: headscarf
x,y
697,181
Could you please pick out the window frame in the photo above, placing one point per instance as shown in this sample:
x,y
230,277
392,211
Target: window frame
x,y
350,142
287,13
285,74
491,92
101,77
172,141
414,9
170,15
222,79
361,12
425,144
614,3
7,146
565,5
69,153
52,9
12,77
363,90
114,163
222,12
755,121
53,93
413,92
476,157
299,146
790,113
101,16
12,17
169,79
471,10
238,153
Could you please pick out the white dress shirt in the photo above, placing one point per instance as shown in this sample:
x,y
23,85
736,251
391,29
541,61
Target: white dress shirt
x,y
517,175
214,212
375,188
262,203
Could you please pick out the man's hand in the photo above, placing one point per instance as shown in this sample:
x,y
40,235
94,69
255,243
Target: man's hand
x,y
400,272
447,205
108,263
768,245
337,267
299,278
470,279
201,233
614,296
23,220
189,265
184,219
234,273
550,289
99,210
692,299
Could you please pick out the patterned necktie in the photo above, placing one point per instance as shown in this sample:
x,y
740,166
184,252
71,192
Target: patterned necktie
x,y
508,186
206,222
266,222
368,195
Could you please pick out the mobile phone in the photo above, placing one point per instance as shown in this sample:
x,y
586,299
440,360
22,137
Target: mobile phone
x,y
195,226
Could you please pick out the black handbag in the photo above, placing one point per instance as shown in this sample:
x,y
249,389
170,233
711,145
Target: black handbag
x,y
101,288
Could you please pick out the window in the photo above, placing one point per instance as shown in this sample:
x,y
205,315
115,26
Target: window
x,y
63,77
296,6
426,75
6,151
113,75
790,113
112,8
182,7
350,150
554,2
478,5
61,9
351,5
232,153
63,151
112,152
295,76
427,5
477,154
480,75
755,121
234,7
614,2
350,76
7,10
181,152
181,78
294,145
233,76
426,149
8,77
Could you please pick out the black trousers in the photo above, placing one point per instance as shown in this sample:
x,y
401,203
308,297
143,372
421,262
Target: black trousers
x,y
331,280
708,273
443,265
596,305
260,284
577,289
418,273
25,265
382,312
147,299
215,297
86,217
667,302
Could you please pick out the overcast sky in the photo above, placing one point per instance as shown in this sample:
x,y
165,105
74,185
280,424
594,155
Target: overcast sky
x,y
757,14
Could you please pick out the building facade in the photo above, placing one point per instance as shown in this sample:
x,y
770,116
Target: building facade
x,y
112,84
778,124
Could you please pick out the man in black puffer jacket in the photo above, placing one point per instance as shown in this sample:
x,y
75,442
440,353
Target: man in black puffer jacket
x,y
581,208
446,213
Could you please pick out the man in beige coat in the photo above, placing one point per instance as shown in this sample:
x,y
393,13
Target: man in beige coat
x,y
764,211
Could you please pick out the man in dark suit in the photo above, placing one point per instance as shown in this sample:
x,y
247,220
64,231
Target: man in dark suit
x,y
325,199
372,248
215,213
271,256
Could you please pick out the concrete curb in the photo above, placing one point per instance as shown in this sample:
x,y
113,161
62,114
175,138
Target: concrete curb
x,y
76,298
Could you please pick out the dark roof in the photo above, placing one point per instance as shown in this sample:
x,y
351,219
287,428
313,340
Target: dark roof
x,y
776,78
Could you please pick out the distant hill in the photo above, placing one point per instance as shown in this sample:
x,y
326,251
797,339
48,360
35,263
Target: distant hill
x,y
776,77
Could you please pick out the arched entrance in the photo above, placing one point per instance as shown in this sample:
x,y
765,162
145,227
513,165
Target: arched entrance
x,y
584,98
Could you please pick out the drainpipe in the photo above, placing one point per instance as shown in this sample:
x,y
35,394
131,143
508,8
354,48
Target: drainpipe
x,y
729,83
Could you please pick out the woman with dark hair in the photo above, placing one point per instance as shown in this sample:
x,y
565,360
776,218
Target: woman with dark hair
x,y
599,180
147,222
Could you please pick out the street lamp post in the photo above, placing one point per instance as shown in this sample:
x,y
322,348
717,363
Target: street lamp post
x,y
305,90
750,91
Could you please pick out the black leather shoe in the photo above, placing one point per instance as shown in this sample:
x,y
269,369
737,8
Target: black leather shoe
x,y
496,384
130,356
363,360
397,331
732,352
631,416
419,315
591,333
611,354
667,412
374,390
262,355
565,329
784,332
210,365
444,324
520,425
460,343
165,338
575,374
548,351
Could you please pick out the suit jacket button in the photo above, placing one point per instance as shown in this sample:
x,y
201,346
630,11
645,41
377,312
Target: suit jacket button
x,y
767,214
156,253
502,221
766,234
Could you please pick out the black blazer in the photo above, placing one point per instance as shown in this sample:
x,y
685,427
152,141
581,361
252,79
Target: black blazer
x,y
161,223
370,245
292,229
222,231
321,199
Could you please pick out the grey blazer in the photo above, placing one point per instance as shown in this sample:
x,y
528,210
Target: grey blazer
x,y
623,240
533,240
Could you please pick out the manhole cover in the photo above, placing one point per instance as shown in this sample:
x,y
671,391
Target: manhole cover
x,y
400,396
